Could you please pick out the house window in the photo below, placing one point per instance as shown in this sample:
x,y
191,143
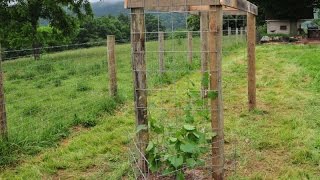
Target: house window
x,y
283,28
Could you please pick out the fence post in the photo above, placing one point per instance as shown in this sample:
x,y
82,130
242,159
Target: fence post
x,y
140,83
215,48
237,32
190,53
3,115
112,66
229,31
161,52
241,31
251,23
204,25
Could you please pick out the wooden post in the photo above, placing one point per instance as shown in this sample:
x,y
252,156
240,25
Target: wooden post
x,y
241,32
204,25
112,66
229,31
190,53
215,48
161,52
237,32
3,115
251,23
140,83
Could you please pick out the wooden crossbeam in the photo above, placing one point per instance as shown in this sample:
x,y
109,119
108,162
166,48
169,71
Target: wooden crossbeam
x,y
230,7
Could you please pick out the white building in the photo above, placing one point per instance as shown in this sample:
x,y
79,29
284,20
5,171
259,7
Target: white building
x,y
284,26
288,27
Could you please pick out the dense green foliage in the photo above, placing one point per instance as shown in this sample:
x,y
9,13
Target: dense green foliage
x,y
22,28
285,9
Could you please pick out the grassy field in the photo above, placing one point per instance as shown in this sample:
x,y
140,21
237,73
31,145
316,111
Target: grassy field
x,y
63,125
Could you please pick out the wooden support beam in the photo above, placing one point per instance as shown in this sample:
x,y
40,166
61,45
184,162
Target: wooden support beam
x,y
215,49
3,114
112,66
251,25
242,5
204,27
231,7
140,83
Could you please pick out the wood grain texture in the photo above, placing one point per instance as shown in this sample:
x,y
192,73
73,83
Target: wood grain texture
x,y
215,48
231,6
204,27
112,66
251,25
140,81
3,114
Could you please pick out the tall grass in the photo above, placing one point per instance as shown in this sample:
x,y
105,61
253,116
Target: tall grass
x,y
45,98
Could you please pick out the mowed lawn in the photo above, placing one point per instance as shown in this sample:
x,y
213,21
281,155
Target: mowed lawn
x,y
279,140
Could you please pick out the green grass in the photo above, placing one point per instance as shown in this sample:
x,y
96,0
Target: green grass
x,y
279,140
45,98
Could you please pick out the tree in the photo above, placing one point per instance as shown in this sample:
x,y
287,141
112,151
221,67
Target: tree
x,y
285,9
62,16
193,22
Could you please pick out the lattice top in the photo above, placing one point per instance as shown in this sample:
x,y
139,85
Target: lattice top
x,y
192,5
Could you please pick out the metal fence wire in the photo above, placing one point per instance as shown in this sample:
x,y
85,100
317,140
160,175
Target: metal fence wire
x,y
177,104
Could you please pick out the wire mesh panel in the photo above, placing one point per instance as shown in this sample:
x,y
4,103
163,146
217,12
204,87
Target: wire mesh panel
x,y
178,92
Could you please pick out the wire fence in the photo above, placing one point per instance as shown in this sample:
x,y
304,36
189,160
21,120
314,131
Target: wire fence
x,y
46,99
179,128
68,88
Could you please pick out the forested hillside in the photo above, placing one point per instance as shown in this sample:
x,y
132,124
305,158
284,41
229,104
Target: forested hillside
x,y
104,8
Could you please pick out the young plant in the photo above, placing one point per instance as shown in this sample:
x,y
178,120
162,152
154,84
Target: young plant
x,y
184,147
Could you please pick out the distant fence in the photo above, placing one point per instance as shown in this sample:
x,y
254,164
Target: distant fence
x,y
41,99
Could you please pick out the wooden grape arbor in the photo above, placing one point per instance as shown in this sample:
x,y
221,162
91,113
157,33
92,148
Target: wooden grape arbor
x,y
211,16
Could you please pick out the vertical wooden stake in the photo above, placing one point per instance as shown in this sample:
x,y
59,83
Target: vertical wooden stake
x,y
190,53
112,66
140,83
215,48
251,23
241,32
237,32
204,25
229,31
3,115
161,53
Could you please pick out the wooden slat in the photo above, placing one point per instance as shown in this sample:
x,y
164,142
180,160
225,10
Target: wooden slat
x,y
217,123
168,3
232,7
204,28
242,5
3,116
140,82
113,88
251,22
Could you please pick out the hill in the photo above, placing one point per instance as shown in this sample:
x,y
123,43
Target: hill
x,y
103,8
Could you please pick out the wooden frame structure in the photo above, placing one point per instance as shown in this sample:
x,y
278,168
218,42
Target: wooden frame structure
x,y
211,15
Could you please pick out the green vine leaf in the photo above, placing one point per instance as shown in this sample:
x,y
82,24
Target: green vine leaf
x,y
150,146
173,140
188,148
191,162
189,127
176,161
